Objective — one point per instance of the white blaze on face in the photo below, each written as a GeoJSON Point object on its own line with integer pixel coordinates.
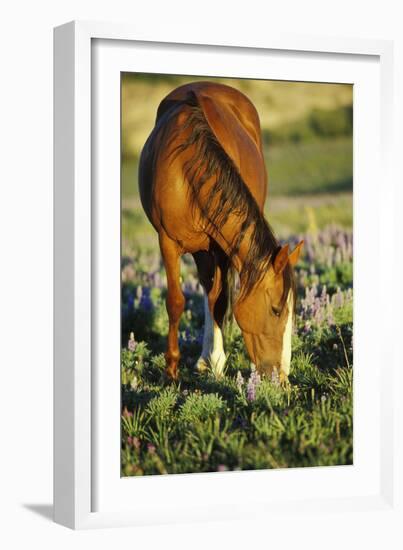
{"type": "Point", "coordinates": [286, 353]}
{"type": "Point", "coordinates": [213, 354]}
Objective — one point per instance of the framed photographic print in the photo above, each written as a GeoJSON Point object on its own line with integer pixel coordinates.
{"type": "Point", "coordinates": [219, 226]}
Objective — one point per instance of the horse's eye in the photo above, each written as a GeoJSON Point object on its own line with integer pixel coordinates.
{"type": "Point", "coordinates": [276, 311]}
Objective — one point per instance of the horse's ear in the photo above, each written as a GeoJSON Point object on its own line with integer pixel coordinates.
{"type": "Point", "coordinates": [280, 261]}
{"type": "Point", "coordinates": [282, 257]}
{"type": "Point", "coordinates": [295, 254]}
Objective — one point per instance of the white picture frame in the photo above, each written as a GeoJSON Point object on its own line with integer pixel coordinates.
{"type": "Point", "coordinates": [86, 494]}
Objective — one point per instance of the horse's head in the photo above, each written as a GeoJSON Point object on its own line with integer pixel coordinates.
{"type": "Point", "coordinates": [265, 315]}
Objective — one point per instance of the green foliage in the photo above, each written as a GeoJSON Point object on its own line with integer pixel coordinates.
{"type": "Point", "coordinates": [305, 425]}
{"type": "Point", "coordinates": [206, 424]}
{"type": "Point", "coordinates": [160, 408]}
{"type": "Point", "coordinates": [200, 408]}
{"type": "Point", "coordinates": [318, 124]}
{"type": "Point", "coordinates": [190, 428]}
{"type": "Point", "coordinates": [135, 424]}
{"type": "Point", "coordinates": [323, 166]}
{"type": "Point", "coordinates": [331, 123]}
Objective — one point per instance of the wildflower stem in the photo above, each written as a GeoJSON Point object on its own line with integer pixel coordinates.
{"type": "Point", "coordinates": [344, 347]}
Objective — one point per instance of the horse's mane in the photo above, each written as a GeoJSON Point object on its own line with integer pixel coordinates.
{"type": "Point", "coordinates": [228, 196]}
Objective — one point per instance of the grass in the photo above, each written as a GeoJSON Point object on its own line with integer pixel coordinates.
{"type": "Point", "coordinates": [307, 168]}
{"type": "Point", "coordinates": [204, 424]}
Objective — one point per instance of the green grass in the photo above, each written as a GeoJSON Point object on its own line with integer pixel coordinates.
{"type": "Point", "coordinates": [288, 215]}
{"type": "Point", "coordinates": [204, 424]}
{"type": "Point", "coordinates": [307, 168]}
{"type": "Point", "coordinates": [316, 125]}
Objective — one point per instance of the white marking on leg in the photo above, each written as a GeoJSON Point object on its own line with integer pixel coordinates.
{"type": "Point", "coordinates": [213, 354]}
{"type": "Point", "coordinates": [286, 353]}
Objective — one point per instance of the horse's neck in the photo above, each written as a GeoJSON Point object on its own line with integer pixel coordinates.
{"type": "Point", "coordinates": [226, 236]}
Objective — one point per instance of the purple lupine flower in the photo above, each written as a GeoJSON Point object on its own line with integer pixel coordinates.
{"type": "Point", "coordinates": [151, 448]}
{"type": "Point", "coordinates": [146, 303]}
{"type": "Point", "coordinates": [275, 377]}
{"type": "Point", "coordinates": [330, 247]}
{"type": "Point", "coordinates": [309, 247]}
{"type": "Point", "coordinates": [239, 381]}
{"type": "Point", "coordinates": [319, 315]}
{"type": "Point", "coordinates": [251, 391]}
{"type": "Point", "coordinates": [330, 317]}
{"type": "Point", "coordinates": [132, 342]}
{"type": "Point", "coordinates": [324, 297]}
{"type": "Point", "coordinates": [338, 298]}
{"type": "Point", "coordinates": [338, 256]}
{"type": "Point", "coordinates": [126, 413]}
{"type": "Point", "coordinates": [253, 382]}
{"type": "Point", "coordinates": [319, 306]}
{"type": "Point", "coordinates": [133, 442]}
{"type": "Point", "coordinates": [129, 300]}
{"type": "Point", "coordinates": [156, 279]}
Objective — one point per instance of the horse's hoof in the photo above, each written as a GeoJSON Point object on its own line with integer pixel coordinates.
{"type": "Point", "coordinates": [202, 364]}
{"type": "Point", "coordinates": [171, 377]}
{"type": "Point", "coordinates": [215, 364]}
{"type": "Point", "coordinates": [172, 373]}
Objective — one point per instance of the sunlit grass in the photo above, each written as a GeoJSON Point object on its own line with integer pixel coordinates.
{"type": "Point", "coordinates": [238, 422]}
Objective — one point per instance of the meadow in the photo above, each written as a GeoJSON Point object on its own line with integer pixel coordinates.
{"type": "Point", "coordinates": [240, 421]}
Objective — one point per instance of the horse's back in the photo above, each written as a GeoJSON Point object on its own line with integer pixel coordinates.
{"type": "Point", "coordinates": [235, 123]}
{"type": "Point", "coordinates": [227, 98]}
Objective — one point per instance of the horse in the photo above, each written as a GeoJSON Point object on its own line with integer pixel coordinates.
{"type": "Point", "coordinates": [203, 185]}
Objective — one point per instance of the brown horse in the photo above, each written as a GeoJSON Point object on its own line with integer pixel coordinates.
{"type": "Point", "coordinates": [203, 185]}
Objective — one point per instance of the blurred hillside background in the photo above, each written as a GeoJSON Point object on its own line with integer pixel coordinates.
{"type": "Point", "coordinates": [307, 131]}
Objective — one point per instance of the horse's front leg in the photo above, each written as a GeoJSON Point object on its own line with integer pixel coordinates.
{"type": "Point", "coordinates": [211, 277]}
{"type": "Point", "coordinates": [175, 302]}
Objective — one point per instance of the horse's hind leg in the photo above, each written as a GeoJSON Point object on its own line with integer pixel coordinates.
{"type": "Point", "coordinates": [175, 302]}
{"type": "Point", "coordinates": [211, 274]}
